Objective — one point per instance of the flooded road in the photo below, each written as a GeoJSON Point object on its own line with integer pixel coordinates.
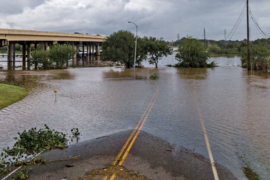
{"type": "Point", "coordinates": [99, 101]}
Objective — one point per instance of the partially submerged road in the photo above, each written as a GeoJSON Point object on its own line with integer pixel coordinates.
{"type": "Point", "coordinates": [142, 156]}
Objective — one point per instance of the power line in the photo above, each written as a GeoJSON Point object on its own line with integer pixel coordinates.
{"type": "Point", "coordinates": [236, 25]}
{"type": "Point", "coordinates": [257, 25]}
{"type": "Point", "coordinates": [257, 50]}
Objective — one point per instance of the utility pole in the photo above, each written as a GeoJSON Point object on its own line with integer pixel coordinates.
{"type": "Point", "coordinates": [248, 44]}
{"type": "Point", "coordinates": [178, 36]}
{"type": "Point", "coordinates": [225, 40]}
{"type": "Point", "coordinates": [204, 37]}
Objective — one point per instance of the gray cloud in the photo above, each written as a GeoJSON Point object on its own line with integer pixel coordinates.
{"type": "Point", "coordinates": [17, 6]}
{"type": "Point", "coordinates": [157, 18]}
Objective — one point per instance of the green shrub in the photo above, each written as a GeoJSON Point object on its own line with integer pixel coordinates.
{"type": "Point", "coordinates": [154, 76]}
{"type": "Point", "coordinates": [250, 173]}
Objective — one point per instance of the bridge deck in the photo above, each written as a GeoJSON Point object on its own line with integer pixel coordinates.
{"type": "Point", "coordinates": [30, 35]}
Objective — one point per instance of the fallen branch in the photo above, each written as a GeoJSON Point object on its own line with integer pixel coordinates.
{"type": "Point", "coordinates": [65, 159]}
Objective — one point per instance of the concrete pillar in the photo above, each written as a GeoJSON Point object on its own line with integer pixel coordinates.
{"type": "Point", "coordinates": [93, 49]}
{"type": "Point", "coordinates": [23, 57]}
{"type": "Point", "coordinates": [98, 50]}
{"type": "Point", "coordinates": [10, 56]}
{"type": "Point", "coordinates": [78, 50]}
{"type": "Point", "coordinates": [36, 64]}
{"type": "Point", "coordinates": [75, 55]}
{"type": "Point", "coordinates": [14, 55]}
{"type": "Point", "coordinates": [88, 50]}
{"type": "Point", "coordinates": [82, 51]}
{"type": "Point", "coordinates": [28, 55]}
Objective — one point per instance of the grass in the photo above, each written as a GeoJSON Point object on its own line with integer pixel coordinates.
{"type": "Point", "coordinates": [250, 173]}
{"type": "Point", "coordinates": [154, 76]}
{"type": "Point", "coordinates": [10, 94]}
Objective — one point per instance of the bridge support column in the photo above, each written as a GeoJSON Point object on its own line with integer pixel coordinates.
{"type": "Point", "coordinates": [75, 55]}
{"type": "Point", "coordinates": [28, 55]}
{"type": "Point", "coordinates": [93, 49]}
{"type": "Point", "coordinates": [10, 55]}
{"type": "Point", "coordinates": [36, 64]}
{"type": "Point", "coordinates": [23, 56]}
{"type": "Point", "coordinates": [88, 53]}
{"type": "Point", "coordinates": [88, 49]}
{"type": "Point", "coordinates": [98, 50]}
{"type": "Point", "coordinates": [78, 50]}
{"type": "Point", "coordinates": [82, 51]}
{"type": "Point", "coordinates": [13, 58]}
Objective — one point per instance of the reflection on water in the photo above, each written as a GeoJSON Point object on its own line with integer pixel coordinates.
{"type": "Point", "coordinates": [99, 101]}
{"type": "Point", "coordinates": [87, 61]}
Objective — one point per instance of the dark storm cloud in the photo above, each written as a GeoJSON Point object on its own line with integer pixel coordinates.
{"type": "Point", "coordinates": [17, 6]}
{"type": "Point", "coordinates": [159, 18]}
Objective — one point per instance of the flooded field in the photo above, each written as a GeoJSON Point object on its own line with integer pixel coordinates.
{"type": "Point", "coordinates": [233, 103]}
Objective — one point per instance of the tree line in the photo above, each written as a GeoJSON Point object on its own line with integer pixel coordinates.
{"type": "Point", "coordinates": [119, 47]}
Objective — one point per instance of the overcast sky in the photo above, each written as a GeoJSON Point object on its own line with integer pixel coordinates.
{"type": "Point", "coordinates": [159, 18]}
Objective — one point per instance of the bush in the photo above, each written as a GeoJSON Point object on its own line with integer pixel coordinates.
{"type": "Point", "coordinates": [41, 57]}
{"type": "Point", "coordinates": [55, 58]}
{"type": "Point", "coordinates": [154, 76]}
{"type": "Point", "coordinates": [192, 54]}
{"type": "Point", "coordinates": [60, 54]}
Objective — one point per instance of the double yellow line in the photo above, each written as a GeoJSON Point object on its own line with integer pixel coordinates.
{"type": "Point", "coordinates": [131, 139]}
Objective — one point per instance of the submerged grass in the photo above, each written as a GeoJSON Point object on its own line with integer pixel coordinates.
{"type": "Point", "coordinates": [154, 76]}
{"type": "Point", "coordinates": [10, 94]}
{"type": "Point", "coordinates": [250, 173]}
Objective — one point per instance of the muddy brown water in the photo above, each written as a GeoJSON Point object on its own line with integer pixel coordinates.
{"type": "Point", "coordinates": [105, 100]}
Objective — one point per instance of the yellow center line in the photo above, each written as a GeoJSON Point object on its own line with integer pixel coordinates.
{"type": "Point", "coordinates": [148, 110]}
{"type": "Point", "coordinates": [214, 169]}
{"type": "Point", "coordinates": [135, 137]}
{"type": "Point", "coordinates": [131, 135]}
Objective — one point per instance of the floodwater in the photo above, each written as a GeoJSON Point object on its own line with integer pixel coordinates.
{"type": "Point", "coordinates": [99, 101]}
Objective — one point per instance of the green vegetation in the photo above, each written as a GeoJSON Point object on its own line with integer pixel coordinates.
{"type": "Point", "coordinates": [228, 48]}
{"type": "Point", "coordinates": [154, 76]}
{"type": "Point", "coordinates": [259, 54]}
{"type": "Point", "coordinates": [10, 94]}
{"type": "Point", "coordinates": [60, 54]}
{"type": "Point", "coordinates": [250, 173]}
{"type": "Point", "coordinates": [120, 47]}
{"type": "Point", "coordinates": [31, 143]}
{"type": "Point", "coordinates": [192, 54]}
{"type": "Point", "coordinates": [55, 58]}
{"type": "Point", "coordinates": [156, 49]}
{"type": "Point", "coordinates": [21, 175]}
{"type": "Point", "coordinates": [75, 132]}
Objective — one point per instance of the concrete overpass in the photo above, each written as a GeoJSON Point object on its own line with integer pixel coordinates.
{"type": "Point", "coordinates": [10, 37]}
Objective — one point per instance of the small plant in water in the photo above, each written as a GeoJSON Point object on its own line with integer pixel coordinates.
{"type": "Point", "coordinates": [21, 175]}
{"type": "Point", "coordinates": [154, 76]}
{"type": "Point", "coordinates": [250, 173]}
{"type": "Point", "coordinates": [75, 132]}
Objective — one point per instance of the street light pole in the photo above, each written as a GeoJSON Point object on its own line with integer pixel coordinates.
{"type": "Point", "coordinates": [135, 46]}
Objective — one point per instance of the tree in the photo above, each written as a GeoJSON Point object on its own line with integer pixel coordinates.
{"type": "Point", "coordinates": [41, 57]}
{"type": "Point", "coordinates": [120, 47]}
{"type": "Point", "coordinates": [60, 54]}
{"type": "Point", "coordinates": [192, 54]}
{"type": "Point", "coordinates": [156, 49]}
{"type": "Point", "coordinates": [214, 48]}
{"type": "Point", "coordinates": [258, 53]}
